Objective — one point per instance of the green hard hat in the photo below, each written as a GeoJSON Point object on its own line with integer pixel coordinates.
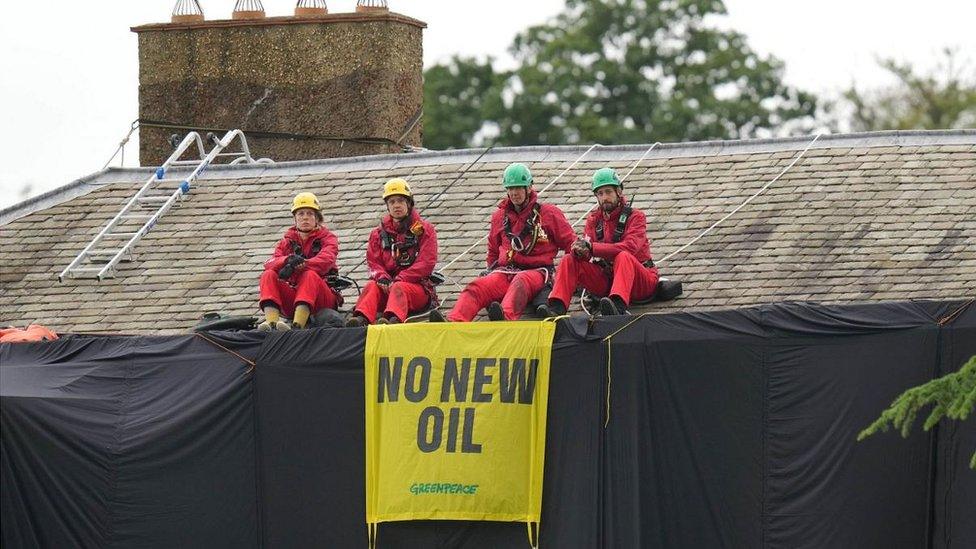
{"type": "Point", "coordinates": [604, 177]}
{"type": "Point", "coordinates": [517, 175]}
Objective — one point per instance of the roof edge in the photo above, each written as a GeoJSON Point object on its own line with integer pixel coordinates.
{"type": "Point", "coordinates": [536, 153]}
{"type": "Point", "coordinates": [78, 187]}
{"type": "Point", "coordinates": [569, 153]}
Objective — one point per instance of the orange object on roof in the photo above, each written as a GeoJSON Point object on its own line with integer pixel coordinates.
{"type": "Point", "coordinates": [34, 332]}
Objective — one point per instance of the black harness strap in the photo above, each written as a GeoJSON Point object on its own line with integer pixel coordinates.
{"type": "Point", "coordinates": [530, 229]}
{"type": "Point", "coordinates": [404, 252]}
{"type": "Point", "coordinates": [618, 231]}
{"type": "Point", "coordinates": [316, 248]}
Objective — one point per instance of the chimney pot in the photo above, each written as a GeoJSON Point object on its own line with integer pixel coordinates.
{"type": "Point", "coordinates": [187, 11]}
{"type": "Point", "coordinates": [372, 6]}
{"type": "Point", "coordinates": [248, 9]}
{"type": "Point", "coordinates": [311, 8]}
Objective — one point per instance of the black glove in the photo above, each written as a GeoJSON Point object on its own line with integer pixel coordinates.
{"type": "Point", "coordinates": [585, 244]}
{"type": "Point", "coordinates": [288, 269]}
{"type": "Point", "coordinates": [384, 282]}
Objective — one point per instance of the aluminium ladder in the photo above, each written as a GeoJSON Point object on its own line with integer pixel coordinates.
{"type": "Point", "coordinates": [115, 241]}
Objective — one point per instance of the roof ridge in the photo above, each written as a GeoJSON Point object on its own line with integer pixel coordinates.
{"type": "Point", "coordinates": [897, 138]}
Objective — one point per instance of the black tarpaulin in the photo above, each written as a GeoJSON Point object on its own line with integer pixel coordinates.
{"type": "Point", "coordinates": [725, 429]}
{"type": "Point", "coordinates": [127, 442]}
{"type": "Point", "coordinates": [953, 492]}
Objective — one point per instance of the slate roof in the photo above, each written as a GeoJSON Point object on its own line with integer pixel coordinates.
{"type": "Point", "coordinates": [861, 217]}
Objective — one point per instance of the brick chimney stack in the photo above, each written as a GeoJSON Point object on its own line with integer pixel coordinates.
{"type": "Point", "coordinates": [316, 85]}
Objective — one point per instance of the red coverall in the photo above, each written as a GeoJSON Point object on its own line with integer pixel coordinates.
{"type": "Point", "coordinates": [307, 284]}
{"type": "Point", "coordinates": [410, 288]}
{"type": "Point", "coordinates": [627, 278]}
{"type": "Point", "coordinates": [517, 277]}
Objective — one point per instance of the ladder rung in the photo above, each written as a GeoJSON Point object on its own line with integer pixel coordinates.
{"type": "Point", "coordinates": [135, 216]}
{"type": "Point", "coordinates": [231, 154]}
{"type": "Point", "coordinates": [159, 199]}
{"type": "Point", "coordinates": [105, 253]}
{"type": "Point", "coordinates": [85, 269]}
{"type": "Point", "coordinates": [119, 235]}
{"type": "Point", "coordinates": [185, 162]}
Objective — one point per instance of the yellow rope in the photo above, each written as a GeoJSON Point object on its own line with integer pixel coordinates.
{"type": "Point", "coordinates": [609, 378]}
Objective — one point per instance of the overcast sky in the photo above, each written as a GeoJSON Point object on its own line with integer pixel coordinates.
{"type": "Point", "coordinates": [69, 70]}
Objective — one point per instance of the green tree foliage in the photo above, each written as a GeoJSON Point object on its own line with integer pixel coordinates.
{"type": "Point", "coordinates": [953, 396]}
{"type": "Point", "coordinates": [457, 95]}
{"type": "Point", "coordinates": [942, 99]}
{"type": "Point", "coordinates": [615, 71]}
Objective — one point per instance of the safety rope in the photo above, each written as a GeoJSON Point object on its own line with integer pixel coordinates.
{"type": "Point", "coordinates": [533, 531]}
{"type": "Point", "coordinates": [622, 179]}
{"type": "Point", "coordinates": [125, 140]}
{"type": "Point", "coordinates": [551, 183]}
{"type": "Point", "coordinates": [740, 206]}
{"type": "Point", "coordinates": [952, 316]}
{"type": "Point", "coordinates": [411, 124]}
{"type": "Point", "coordinates": [432, 202]}
{"type": "Point", "coordinates": [225, 349]}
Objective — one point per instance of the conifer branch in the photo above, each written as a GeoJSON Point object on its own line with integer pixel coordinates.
{"type": "Point", "coordinates": [953, 396]}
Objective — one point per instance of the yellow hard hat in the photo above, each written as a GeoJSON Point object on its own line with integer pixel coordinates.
{"type": "Point", "coordinates": [305, 200]}
{"type": "Point", "coordinates": [397, 186]}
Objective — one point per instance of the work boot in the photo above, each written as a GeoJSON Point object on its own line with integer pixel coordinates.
{"type": "Point", "coordinates": [282, 325]}
{"type": "Point", "coordinates": [613, 306]}
{"type": "Point", "coordinates": [276, 326]}
{"type": "Point", "coordinates": [495, 311]}
{"type": "Point", "coordinates": [551, 309]}
{"type": "Point", "coordinates": [435, 315]}
{"type": "Point", "coordinates": [382, 320]}
{"type": "Point", "coordinates": [392, 319]}
{"type": "Point", "coordinates": [355, 321]}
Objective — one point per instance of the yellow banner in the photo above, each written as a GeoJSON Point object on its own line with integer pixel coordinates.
{"type": "Point", "coordinates": [456, 420]}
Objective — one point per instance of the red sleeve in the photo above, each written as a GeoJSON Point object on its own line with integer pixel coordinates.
{"type": "Point", "coordinates": [374, 257]}
{"type": "Point", "coordinates": [494, 238]}
{"type": "Point", "coordinates": [278, 257]}
{"type": "Point", "coordinates": [325, 260]}
{"type": "Point", "coordinates": [426, 258]}
{"type": "Point", "coordinates": [589, 228]}
{"type": "Point", "coordinates": [561, 233]}
{"type": "Point", "coordinates": [633, 241]}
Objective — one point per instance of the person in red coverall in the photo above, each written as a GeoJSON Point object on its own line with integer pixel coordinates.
{"type": "Point", "coordinates": [613, 260]}
{"type": "Point", "coordinates": [401, 255]}
{"type": "Point", "coordinates": [293, 283]}
{"type": "Point", "coordinates": [523, 241]}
